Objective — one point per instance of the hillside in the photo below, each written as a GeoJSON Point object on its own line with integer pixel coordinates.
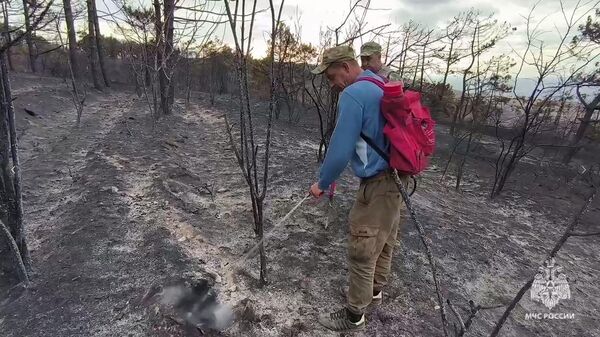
{"type": "Point", "coordinates": [117, 205]}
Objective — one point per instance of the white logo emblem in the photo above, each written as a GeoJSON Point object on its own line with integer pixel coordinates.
{"type": "Point", "coordinates": [550, 285]}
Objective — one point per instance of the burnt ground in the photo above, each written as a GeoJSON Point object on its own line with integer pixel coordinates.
{"type": "Point", "coordinates": [117, 205]}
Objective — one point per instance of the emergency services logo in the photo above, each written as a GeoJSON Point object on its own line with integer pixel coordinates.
{"type": "Point", "coordinates": [549, 287]}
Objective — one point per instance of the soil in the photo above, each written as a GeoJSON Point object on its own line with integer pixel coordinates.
{"type": "Point", "coordinates": [121, 203]}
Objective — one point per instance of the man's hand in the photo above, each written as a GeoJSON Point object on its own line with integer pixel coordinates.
{"type": "Point", "coordinates": [315, 191]}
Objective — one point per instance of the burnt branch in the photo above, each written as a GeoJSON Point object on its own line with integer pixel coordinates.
{"type": "Point", "coordinates": [584, 234]}
{"type": "Point", "coordinates": [425, 240]}
{"type": "Point", "coordinates": [458, 317]}
{"type": "Point", "coordinates": [14, 252]}
{"type": "Point", "coordinates": [35, 25]}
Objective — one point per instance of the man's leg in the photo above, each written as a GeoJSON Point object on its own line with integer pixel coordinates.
{"type": "Point", "coordinates": [373, 217]}
{"type": "Point", "coordinates": [384, 262]}
{"type": "Point", "coordinates": [344, 319]}
{"type": "Point", "coordinates": [361, 269]}
{"type": "Point", "coordinates": [373, 228]}
{"type": "Point", "coordinates": [403, 218]}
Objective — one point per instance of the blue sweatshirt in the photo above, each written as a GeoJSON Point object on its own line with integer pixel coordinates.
{"type": "Point", "coordinates": [359, 111]}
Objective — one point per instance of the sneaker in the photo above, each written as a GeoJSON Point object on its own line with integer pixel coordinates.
{"type": "Point", "coordinates": [339, 321]}
{"type": "Point", "coordinates": [377, 299]}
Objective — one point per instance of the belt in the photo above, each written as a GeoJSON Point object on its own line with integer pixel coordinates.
{"type": "Point", "coordinates": [388, 173]}
{"type": "Point", "coordinates": [381, 174]}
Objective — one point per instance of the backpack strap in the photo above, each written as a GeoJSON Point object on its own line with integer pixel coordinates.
{"type": "Point", "coordinates": [377, 82]}
{"type": "Point", "coordinates": [372, 144]}
{"type": "Point", "coordinates": [369, 141]}
{"type": "Point", "coordinates": [384, 155]}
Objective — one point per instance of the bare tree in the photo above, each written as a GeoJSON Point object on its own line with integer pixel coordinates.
{"type": "Point", "coordinates": [217, 58]}
{"type": "Point", "coordinates": [140, 30]}
{"type": "Point", "coordinates": [556, 68]}
{"type": "Point", "coordinates": [427, 51]}
{"type": "Point", "coordinates": [71, 36]}
{"type": "Point", "coordinates": [11, 209]}
{"type": "Point", "coordinates": [410, 38]}
{"type": "Point", "coordinates": [163, 24]}
{"type": "Point", "coordinates": [159, 38]}
{"type": "Point", "coordinates": [27, 14]}
{"type": "Point", "coordinates": [589, 32]}
{"type": "Point", "coordinates": [485, 101]}
{"type": "Point", "coordinates": [77, 98]}
{"type": "Point", "coordinates": [590, 108]}
{"type": "Point", "coordinates": [485, 32]}
{"type": "Point", "coordinates": [91, 11]}
{"type": "Point", "coordinates": [7, 34]}
{"type": "Point", "coordinates": [247, 153]}
{"type": "Point", "coordinates": [455, 32]}
{"type": "Point", "coordinates": [98, 38]}
{"type": "Point", "coordinates": [291, 57]}
{"type": "Point", "coordinates": [167, 69]}
{"type": "Point", "coordinates": [479, 80]}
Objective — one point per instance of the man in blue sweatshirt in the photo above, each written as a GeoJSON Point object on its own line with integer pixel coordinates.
{"type": "Point", "coordinates": [376, 213]}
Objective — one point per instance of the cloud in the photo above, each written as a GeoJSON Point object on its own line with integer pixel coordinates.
{"type": "Point", "coordinates": [432, 13]}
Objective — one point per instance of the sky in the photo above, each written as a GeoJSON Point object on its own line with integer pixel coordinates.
{"type": "Point", "coordinates": [318, 14]}
{"type": "Point", "coordinates": [314, 16]}
{"type": "Point", "coordinates": [311, 17]}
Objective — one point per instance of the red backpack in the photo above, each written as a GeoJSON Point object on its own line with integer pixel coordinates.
{"type": "Point", "coordinates": [409, 128]}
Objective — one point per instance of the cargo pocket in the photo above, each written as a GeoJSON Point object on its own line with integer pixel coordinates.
{"type": "Point", "coordinates": [362, 243]}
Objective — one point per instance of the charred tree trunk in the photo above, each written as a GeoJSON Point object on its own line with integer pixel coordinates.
{"type": "Point", "coordinates": [160, 57]}
{"type": "Point", "coordinates": [260, 236]}
{"type": "Point", "coordinates": [414, 80]}
{"type": "Point", "coordinates": [404, 55]}
{"type": "Point", "coordinates": [447, 71]}
{"type": "Point", "coordinates": [9, 114]}
{"type": "Point", "coordinates": [7, 34]}
{"type": "Point", "coordinates": [423, 66]}
{"type": "Point", "coordinates": [585, 122]}
{"type": "Point", "coordinates": [188, 83]}
{"type": "Point", "coordinates": [559, 112]}
{"type": "Point", "coordinates": [98, 39]}
{"type": "Point", "coordinates": [92, 42]}
{"type": "Point", "coordinates": [13, 250]}
{"type": "Point", "coordinates": [506, 163]}
{"type": "Point", "coordinates": [7, 195]}
{"type": "Point", "coordinates": [71, 37]}
{"type": "Point", "coordinates": [77, 99]}
{"type": "Point", "coordinates": [147, 62]}
{"type": "Point", "coordinates": [169, 8]}
{"type": "Point", "coordinates": [28, 39]}
{"type": "Point", "coordinates": [466, 72]}
{"type": "Point", "coordinates": [461, 166]}
{"type": "Point", "coordinates": [212, 85]}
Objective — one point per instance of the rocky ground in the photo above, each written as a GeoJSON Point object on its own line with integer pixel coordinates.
{"type": "Point", "coordinates": [121, 203]}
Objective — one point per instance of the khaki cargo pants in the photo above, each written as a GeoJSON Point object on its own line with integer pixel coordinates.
{"type": "Point", "coordinates": [375, 219]}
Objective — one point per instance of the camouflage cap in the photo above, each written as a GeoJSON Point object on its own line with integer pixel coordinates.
{"type": "Point", "coordinates": [370, 48]}
{"type": "Point", "coordinates": [335, 54]}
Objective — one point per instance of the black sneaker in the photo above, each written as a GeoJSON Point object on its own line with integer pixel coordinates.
{"type": "Point", "coordinates": [339, 321]}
